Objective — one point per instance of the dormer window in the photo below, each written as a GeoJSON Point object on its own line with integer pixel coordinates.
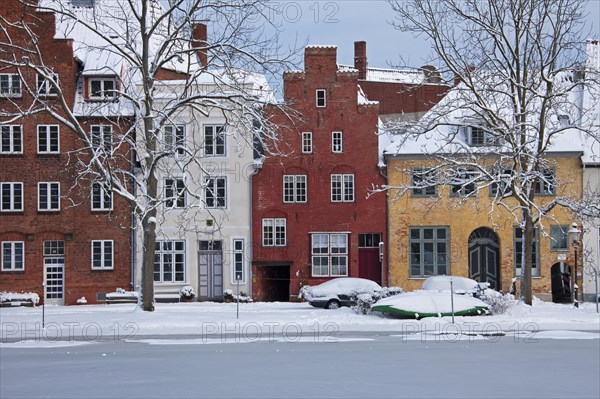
{"type": "Point", "coordinates": [564, 120]}
{"type": "Point", "coordinates": [103, 89]}
{"type": "Point", "coordinates": [45, 87]}
{"type": "Point", "coordinates": [477, 136]}
{"type": "Point", "coordinates": [321, 98]}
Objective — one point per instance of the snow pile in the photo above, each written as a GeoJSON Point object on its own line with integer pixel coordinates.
{"type": "Point", "coordinates": [82, 301]}
{"type": "Point", "coordinates": [460, 285]}
{"type": "Point", "coordinates": [120, 293]}
{"type": "Point", "coordinates": [424, 303]}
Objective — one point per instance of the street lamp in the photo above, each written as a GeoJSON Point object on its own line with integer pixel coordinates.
{"type": "Point", "coordinates": [574, 233]}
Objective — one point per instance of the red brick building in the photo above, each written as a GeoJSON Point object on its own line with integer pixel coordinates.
{"type": "Point", "coordinates": [312, 219]}
{"type": "Point", "coordinates": [56, 229]}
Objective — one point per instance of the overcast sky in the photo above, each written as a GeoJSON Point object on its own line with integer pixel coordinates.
{"type": "Point", "coordinates": [343, 22]}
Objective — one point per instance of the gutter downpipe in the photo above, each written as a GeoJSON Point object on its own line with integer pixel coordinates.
{"type": "Point", "coordinates": [385, 262]}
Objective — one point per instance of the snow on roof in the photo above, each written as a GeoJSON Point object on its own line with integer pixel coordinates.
{"type": "Point", "coordinates": [443, 128]}
{"type": "Point", "coordinates": [405, 76]}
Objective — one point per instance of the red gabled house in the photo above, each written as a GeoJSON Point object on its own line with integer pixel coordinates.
{"type": "Point", "coordinates": [312, 218]}
{"type": "Point", "coordinates": [62, 236]}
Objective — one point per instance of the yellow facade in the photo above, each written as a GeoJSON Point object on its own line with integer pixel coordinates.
{"type": "Point", "coordinates": [462, 216]}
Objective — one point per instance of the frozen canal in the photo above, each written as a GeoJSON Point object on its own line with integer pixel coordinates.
{"type": "Point", "coordinates": [361, 365]}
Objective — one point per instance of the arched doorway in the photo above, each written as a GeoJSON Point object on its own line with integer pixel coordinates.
{"type": "Point", "coordinates": [484, 257]}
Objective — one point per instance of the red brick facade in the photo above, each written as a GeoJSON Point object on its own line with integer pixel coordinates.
{"type": "Point", "coordinates": [280, 270]}
{"type": "Point", "coordinates": [74, 224]}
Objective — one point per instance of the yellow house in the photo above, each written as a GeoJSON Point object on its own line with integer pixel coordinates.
{"type": "Point", "coordinates": [439, 230]}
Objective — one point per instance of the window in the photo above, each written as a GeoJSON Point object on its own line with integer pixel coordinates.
{"type": "Point", "coordinates": [429, 251]}
{"type": "Point", "coordinates": [215, 193]}
{"type": "Point", "coordinates": [307, 143]}
{"type": "Point", "coordinates": [321, 98]}
{"type": "Point", "coordinates": [48, 196]}
{"type": "Point", "coordinates": [103, 89]}
{"type": "Point", "coordinates": [519, 238]}
{"type": "Point", "coordinates": [463, 182]}
{"type": "Point", "coordinates": [45, 87]}
{"type": "Point", "coordinates": [10, 85]}
{"type": "Point", "coordinates": [546, 183]}
{"type": "Point", "coordinates": [559, 238]}
{"type": "Point", "coordinates": [369, 240]}
{"type": "Point", "coordinates": [102, 254]}
{"type": "Point", "coordinates": [13, 255]}
{"type": "Point", "coordinates": [336, 142]}
{"type": "Point", "coordinates": [54, 248]}
{"type": "Point", "coordinates": [238, 260]}
{"type": "Point", "coordinates": [342, 188]}
{"type": "Point", "coordinates": [12, 197]}
{"type": "Point", "coordinates": [502, 184]}
{"type": "Point", "coordinates": [329, 254]}
{"type": "Point", "coordinates": [169, 261]}
{"type": "Point", "coordinates": [101, 137]}
{"type": "Point", "coordinates": [175, 193]}
{"type": "Point", "coordinates": [101, 197]}
{"type": "Point", "coordinates": [214, 140]}
{"type": "Point", "coordinates": [479, 137]}
{"type": "Point", "coordinates": [12, 139]}
{"type": "Point", "coordinates": [274, 232]}
{"type": "Point", "coordinates": [294, 188]}
{"type": "Point", "coordinates": [48, 139]}
{"type": "Point", "coordinates": [174, 139]}
{"type": "Point", "coordinates": [424, 183]}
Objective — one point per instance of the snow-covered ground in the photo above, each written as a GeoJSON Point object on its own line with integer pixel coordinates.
{"type": "Point", "coordinates": [266, 320]}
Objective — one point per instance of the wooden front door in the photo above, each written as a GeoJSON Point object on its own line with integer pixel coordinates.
{"type": "Point", "coordinates": [484, 257]}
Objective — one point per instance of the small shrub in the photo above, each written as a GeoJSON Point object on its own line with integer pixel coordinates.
{"type": "Point", "coordinates": [364, 300]}
{"type": "Point", "coordinates": [187, 292]}
{"type": "Point", "coordinates": [498, 303]}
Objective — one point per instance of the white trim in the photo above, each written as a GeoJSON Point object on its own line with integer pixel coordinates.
{"type": "Point", "coordinates": [309, 136]}
{"type": "Point", "coordinates": [11, 135]}
{"type": "Point", "coordinates": [103, 207]}
{"type": "Point", "coordinates": [12, 207]}
{"type": "Point", "coordinates": [324, 91]}
{"type": "Point", "coordinates": [102, 253]}
{"type": "Point", "coordinates": [333, 142]}
{"type": "Point", "coordinates": [49, 196]}
{"type": "Point", "coordinates": [233, 253]}
{"type": "Point", "coordinates": [12, 258]}
{"type": "Point", "coordinates": [48, 133]}
{"type": "Point", "coordinates": [103, 90]}
{"type": "Point", "coordinates": [11, 77]}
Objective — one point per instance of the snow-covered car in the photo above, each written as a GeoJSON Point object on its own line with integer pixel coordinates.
{"type": "Point", "coordinates": [460, 285]}
{"type": "Point", "coordinates": [338, 292]}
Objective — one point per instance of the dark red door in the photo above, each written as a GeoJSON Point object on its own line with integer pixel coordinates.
{"type": "Point", "coordinates": [368, 264]}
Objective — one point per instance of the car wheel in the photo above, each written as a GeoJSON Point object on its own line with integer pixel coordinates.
{"type": "Point", "coordinates": [333, 304]}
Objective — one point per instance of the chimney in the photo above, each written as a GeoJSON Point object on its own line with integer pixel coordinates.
{"type": "Point", "coordinates": [199, 38]}
{"type": "Point", "coordinates": [360, 59]}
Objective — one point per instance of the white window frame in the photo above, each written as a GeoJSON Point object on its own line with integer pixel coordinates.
{"type": "Point", "coordinates": [238, 260]}
{"type": "Point", "coordinates": [217, 133]}
{"type": "Point", "coordinates": [9, 260]}
{"type": "Point", "coordinates": [52, 196]}
{"type": "Point", "coordinates": [51, 133]}
{"type": "Point", "coordinates": [321, 98]}
{"type": "Point", "coordinates": [166, 251]}
{"type": "Point", "coordinates": [211, 192]}
{"type": "Point", "coordinates": [106, 197]}
{"type": "Point", "coordinates": [307, 143]}
{"type": "Point", "coordinates": [43, 86]}
{"type": "Point", "coordinates": [174, 139]}
{"type": "Point", "coordinates": [337, 143]}
{"type": "Point", "coordinates": [342, 188]}
{"type": "Point", "coordinates": [105, 94]}
{"type": "Point", "coordinates": [12, 134]}
{"type": "Point", "coordinates": [335, 249]}
{"type": "Point", "coordinates": [105, 257]}
{"type": "Point", "coordinates": [295, 189]}
{"type": "Point", "coordinates": [485, 138]}
{"type": "Point", "coordinates": [13, 205]}
{"type": "Point", "coordinates": [175, 193]}
{"type": "Point", "coordinates": [10, 91]}
{"type": "Point", "coordinates": [101, 137]}
{"type": "Point", "coordinates": [274, 232]}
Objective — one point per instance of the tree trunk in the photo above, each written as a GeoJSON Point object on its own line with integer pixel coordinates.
{"type": "Point", "coordinates": [149, 242]}
{"type": "Point", "coordinates": [527, 262]}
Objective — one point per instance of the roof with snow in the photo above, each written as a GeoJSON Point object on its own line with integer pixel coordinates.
{"type": "Point", "coordinates": [405, 76]}
{"type": "Point", "coordinates": [443, 129]}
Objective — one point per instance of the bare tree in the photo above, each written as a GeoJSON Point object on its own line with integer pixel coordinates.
{"type": "Point", "coordinates": [518, 67]}
{"type": "Point", "coordinates": [164, 67]}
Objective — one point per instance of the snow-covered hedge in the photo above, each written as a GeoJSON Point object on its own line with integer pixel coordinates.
{"type": "Point", "coordinates": [364, 301]}
{"type": "Point", "coordinates": [228, 295]}
{"type": "Point", "coordinates": [187, 292]}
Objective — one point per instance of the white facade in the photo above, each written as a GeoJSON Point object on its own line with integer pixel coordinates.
{"type": "Point", "coordinates": [591, 240]}
{"type": "Point", "coordinates": [204, 234]}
